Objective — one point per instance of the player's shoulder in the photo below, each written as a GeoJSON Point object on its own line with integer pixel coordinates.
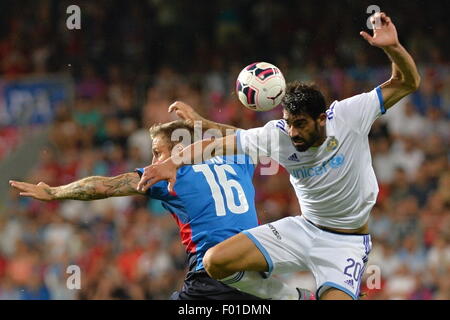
{"type": "Point", "coordinates": [330, 112]}
{"type": "Point", "coordinates": [279, 125]}
{"type": "Point", "coordinates": [360, 98]}
{"type": "Point", "coordinates": [356, 100]}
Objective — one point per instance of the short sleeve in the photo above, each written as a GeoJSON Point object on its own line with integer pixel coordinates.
{"type": "Point", "coordinates": [360, 111]}
{"type": "Point", "coordinates": [158, 190]}
{"type": "Point", "coordinates": [258, 142]}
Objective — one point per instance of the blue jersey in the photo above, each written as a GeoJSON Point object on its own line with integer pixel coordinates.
{"type": "Point", "coordinates": [214, 200]}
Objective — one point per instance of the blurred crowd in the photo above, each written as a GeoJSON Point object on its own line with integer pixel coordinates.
{"type": "Point", "coordinates": [130, 61]}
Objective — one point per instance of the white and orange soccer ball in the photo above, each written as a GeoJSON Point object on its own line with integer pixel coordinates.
{"type": "Point", "coordinates": [260, 86]}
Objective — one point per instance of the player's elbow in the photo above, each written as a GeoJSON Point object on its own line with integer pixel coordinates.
{"type": "Point", "coordinates": [413, 84]}
{"type": "Point", "coordinates": [417, 82]}
{"type": "Point", "coordinates": [406, 85]}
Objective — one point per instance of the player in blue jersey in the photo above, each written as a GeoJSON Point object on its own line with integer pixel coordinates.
{"type": "Point", "coordinates": [214, 200]}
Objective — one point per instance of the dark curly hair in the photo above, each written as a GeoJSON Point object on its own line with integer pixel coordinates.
{"type": "Point", "coordinates": [303, 98]}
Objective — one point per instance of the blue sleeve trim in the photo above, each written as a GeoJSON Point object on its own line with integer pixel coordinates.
{"type": "Point", "coordinates": [139, 171]}
{"type": "Point", "coordinates": [261, 248]}
{"type": "Point", "coordinates": [380, 99]}
{"type": "Point", "coordinates": [336, 286]}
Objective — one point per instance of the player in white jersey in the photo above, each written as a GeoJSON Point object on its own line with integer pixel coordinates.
{"type": "Point", "coordinates": [326, 152]}
{"type": "Point", "coordinates": [334, 180]}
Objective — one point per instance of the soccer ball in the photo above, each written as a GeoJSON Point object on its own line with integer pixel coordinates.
{"type": "Point", "coordinates": [260, 86]}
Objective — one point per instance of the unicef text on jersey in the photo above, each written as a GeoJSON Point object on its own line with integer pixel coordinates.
{"type": "Point", "coordinates": [307, 172]}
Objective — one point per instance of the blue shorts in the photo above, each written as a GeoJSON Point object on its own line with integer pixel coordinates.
{"type": "Point", "coordinates": [200, 286]}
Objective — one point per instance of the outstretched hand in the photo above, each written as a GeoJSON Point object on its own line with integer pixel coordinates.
{"type": "Point", "coordinates": [384, 31]}
{"type": "Point", "coordinates": [185, 112]}
{"type": "Point", "coordinates": [40, 191]}
{"type": "Point", "coordinates": [154, 173]}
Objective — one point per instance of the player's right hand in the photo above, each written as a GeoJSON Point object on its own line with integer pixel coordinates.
{"type": "Point", "coordinates": [166, 170]}
{"type": "Point", "coordinates": [185, 112]}
{"type": "Point", "coordinates": [40, 191]}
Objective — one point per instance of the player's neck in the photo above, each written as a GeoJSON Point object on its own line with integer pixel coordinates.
{"type": "Point", "coordinates": [323, 137]}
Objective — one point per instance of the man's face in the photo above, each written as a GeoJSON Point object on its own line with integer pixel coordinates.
{"type": "Point", "coordinates": [303, 130]}
{"type": "Point", "coordinates": [161, 149]}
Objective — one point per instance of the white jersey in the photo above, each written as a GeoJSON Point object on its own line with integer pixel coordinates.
{"type": "Point", "coordinates": [335, 182]}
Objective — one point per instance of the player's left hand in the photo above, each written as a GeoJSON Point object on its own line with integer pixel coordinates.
{"type": "Point", "coordinates": [384, 31]}
{"type": "Point", "coordinates": [185, 112]}
{"type": "Point", "coordinates": [166, 170]}
{"type": "Point", "coordinates": [40, 191]}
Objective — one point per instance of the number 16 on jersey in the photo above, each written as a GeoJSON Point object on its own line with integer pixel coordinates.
{"type": "Point", "coordinates": [227, 185]}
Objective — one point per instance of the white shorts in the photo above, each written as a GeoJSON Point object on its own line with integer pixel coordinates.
{"type": "Point", "coordinates": [336, 260]}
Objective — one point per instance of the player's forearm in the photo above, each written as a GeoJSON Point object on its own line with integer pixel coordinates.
{"type": "Point", "coordinates": [85, 189]}
{"type": "Point", "coordinates": [203, 150]}
{"type": "Point", "coordinates": [223, 128]}
{"type": "Point", "coordinates": [404, 68]}
{"type": "Point", "coordinates": [93, 188]}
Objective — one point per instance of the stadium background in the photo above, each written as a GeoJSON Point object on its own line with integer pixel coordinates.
{"type": "Point", "coordinates": [78, 103]}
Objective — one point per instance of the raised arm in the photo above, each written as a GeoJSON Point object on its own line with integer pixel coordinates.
{"type": "Point", "coordinates": [405, 78]}
{"type": "Point", "coordinates": [90, 188]}
{"type": "Point", "coordinates": [186, 112]}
